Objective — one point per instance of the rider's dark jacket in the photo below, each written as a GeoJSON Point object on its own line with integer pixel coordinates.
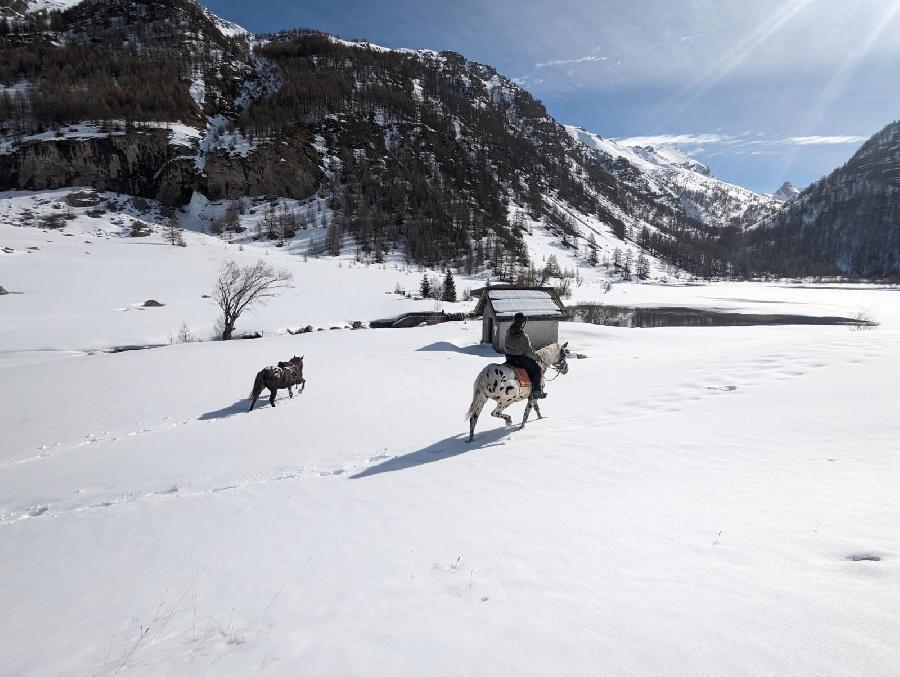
{"type": "Point", "coordinates": [518, 343]}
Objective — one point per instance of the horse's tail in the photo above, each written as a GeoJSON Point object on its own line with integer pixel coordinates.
{"type": "Point", "coordinates": [258, 384]}
{"type": "Point", "coordinates": [478, 398]}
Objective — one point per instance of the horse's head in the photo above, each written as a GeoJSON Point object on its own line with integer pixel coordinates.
{"type": "Point", "coordinates": [561, 364]}
{"type": "Point", "coordinates": [297, 362]}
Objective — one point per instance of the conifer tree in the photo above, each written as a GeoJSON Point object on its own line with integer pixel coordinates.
{"type": "Point", "coordinates": [593, 257]}
{"type": "Point", "coordinates": [617, 258]}
{"type": "Point", "coordinates": [425, 287]}
{"type": "Point", "coordinates": [552, 268]}
{"type": "Point", "coordinates": [642, 267]}
{"type": "Point", "coordinates": [449, 288]}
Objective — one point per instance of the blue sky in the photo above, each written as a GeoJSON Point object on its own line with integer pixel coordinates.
{"type": "Point", "coordinates": [761, 90]}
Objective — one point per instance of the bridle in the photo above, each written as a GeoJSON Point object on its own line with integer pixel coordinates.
{"type": "Point", "coordinates": [555, 376]}
{"type": "Point", "coordinates": [555, 368]}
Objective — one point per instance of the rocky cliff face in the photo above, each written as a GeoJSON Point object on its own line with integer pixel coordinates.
{"type": "Point", "coordinates": [137, 163]}
{"type": "Point", "coordinates": [146, 164]}
{"type": "Point", "coordinates": [166, 80]}
{"type": "Point", "coordinates": [287, 168]}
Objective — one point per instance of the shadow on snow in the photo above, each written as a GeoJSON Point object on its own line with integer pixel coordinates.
{"type": "Point", "coordinates": [439, 451]}
{"type": "Point", "coordinates": [224, 412]}
{"type": "Point", "coordinates": [480, 349]}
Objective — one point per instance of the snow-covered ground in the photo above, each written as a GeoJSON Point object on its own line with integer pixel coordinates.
{"type": "Point", "coordinates": [696, 501]}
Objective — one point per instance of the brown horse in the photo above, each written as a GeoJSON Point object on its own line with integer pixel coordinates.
{"type": "Point", "coordinates": [285, 375]}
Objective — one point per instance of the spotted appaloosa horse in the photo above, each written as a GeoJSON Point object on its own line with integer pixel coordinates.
{"type": "Point", "coordinates": [285, 375]}
{"type": "Point", "coordinates": [498, 382]}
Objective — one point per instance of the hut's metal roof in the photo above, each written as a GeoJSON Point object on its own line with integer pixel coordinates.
{"type": "Point", "coordinates": [532, 302]}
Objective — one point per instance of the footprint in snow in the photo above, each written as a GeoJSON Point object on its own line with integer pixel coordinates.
{"type": "Point", "coordinates": [37, 510]}
{"type": "Point", "coordinates": [864, 557]}
{"type": "Point", "coordinates": [725, 389]}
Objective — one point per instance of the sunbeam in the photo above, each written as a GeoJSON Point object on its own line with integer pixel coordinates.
{"type": "Point", "coordinates": [732, 59]}
{"type": "Point", "coordinates": [838, 82]}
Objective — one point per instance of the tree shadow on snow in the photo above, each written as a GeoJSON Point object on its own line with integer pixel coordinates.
{"type": "Point", "coordinates": [224, 412]}
{"type": "Point", "coordinates": [481, 349]}
{"type": "Point", "coordinates": [439, 451]}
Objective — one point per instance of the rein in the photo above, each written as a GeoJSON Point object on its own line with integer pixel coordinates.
{"type": "Point", "coordinates": [558, 372]}
{"type": "Point", "coordinates": [555, 368]}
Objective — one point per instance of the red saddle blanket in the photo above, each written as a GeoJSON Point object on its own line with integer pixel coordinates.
{"type": "Point", "coordinates": [522, 375]}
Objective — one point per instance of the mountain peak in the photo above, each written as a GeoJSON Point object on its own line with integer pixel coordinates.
{"type": "Point", "coordinates": [786, 193]}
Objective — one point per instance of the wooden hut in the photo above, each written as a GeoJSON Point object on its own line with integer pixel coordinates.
{"type": "Point", "coordinates": [498, 305]}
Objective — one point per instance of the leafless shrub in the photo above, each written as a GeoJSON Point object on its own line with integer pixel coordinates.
{"type": "Point", "coordinates": [239, 288]}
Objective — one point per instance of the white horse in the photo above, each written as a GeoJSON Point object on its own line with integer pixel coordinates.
{"type": "Point", "coordinates": [499, 382]}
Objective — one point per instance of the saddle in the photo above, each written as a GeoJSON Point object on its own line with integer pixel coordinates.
{"type": "Point", "coordinates": [522, 376]}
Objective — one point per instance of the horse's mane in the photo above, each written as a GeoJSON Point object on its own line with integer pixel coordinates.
{"type": "Point", "coordinates": [548, 354]}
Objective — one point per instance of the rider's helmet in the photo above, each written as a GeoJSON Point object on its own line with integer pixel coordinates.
{"type": "Point", "coordinates": [520, 318]}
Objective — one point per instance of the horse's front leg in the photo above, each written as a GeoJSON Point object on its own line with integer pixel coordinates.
{"type": "Point", "coordinates": [531, 403]}
{"type": "Point", "coordinates": [272, 396]}
{"type": "Point", "coordinates": [291, 391]}
{"type": "Point", "coordinates": [537, 407]}
{"type": "Point", "coordinates": [302, 385]}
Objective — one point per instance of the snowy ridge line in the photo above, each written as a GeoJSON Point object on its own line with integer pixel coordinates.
{"type": "Point", "coordinates": [180, 134]}
{"type": "Point", "coordinates": [365, 44]}
{"type": "Point", "coordinates": [50, 5]}
{"type": "Point", "coordinates": [670, 170]}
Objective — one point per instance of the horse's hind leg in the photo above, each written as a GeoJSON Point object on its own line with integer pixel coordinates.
{"type": "Point", "coordinates": [252, 403]}
{"type": "Point", "coordinates": [498, 411]}
{"type": "Point", "coordinates": [272, 396]}
{"type": "Point", "coordinates": [478, 400]}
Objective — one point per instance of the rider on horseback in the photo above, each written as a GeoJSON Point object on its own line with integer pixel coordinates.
{"type": "Point", "coordinates": [519, 353]}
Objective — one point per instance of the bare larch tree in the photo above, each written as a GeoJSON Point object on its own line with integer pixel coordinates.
{"type": "Point", "coordinates": [241, 287]}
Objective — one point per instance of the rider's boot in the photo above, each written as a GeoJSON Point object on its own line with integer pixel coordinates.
{"type": "Point", "coordinates": [538, 394]}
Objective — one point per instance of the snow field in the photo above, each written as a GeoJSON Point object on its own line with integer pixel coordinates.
{"type": "Point", "coordinates": [82, 288]}
{"type": "Point", "coordinates": [677, 511]}
{"type": "Point", "coordinates": [695, 501]}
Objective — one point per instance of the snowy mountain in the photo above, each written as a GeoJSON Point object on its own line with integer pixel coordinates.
{"type": "Point", "coordinates": [846, 223]}
{"type": "Point", "coordinates": [414, 151]}
{"type": "Point", "coordinates": [671, 170]}
{"type": "Point", "coordinates": [786, 193]}
{"type": "Point", "coordinates": [670, 156]}
{"type": "Point", "coordinates": [423, 152]}
{"type": "Point", "coordinates": [20, 8]}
